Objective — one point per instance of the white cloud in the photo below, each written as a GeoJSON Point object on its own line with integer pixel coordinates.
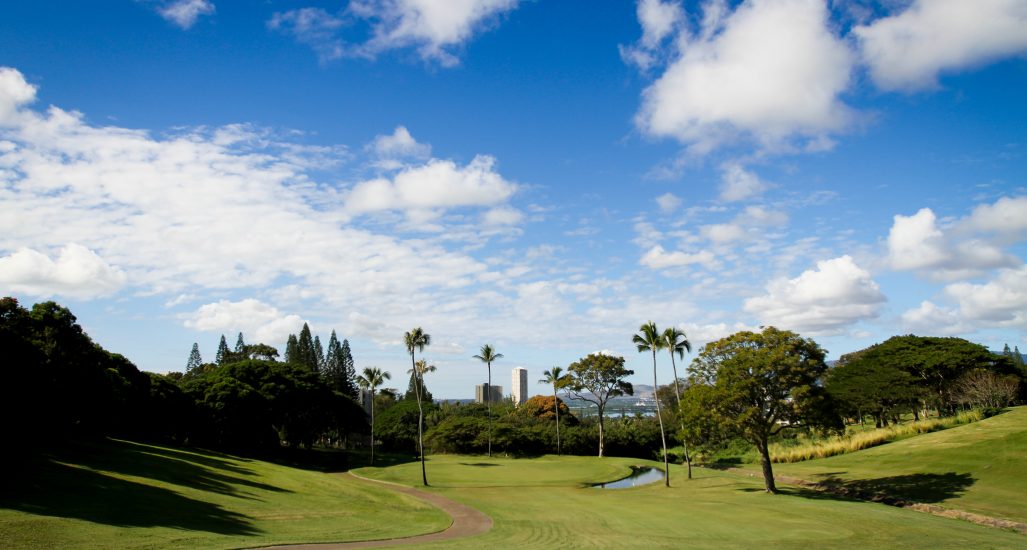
{"type": "Point", "coordinates": [15, 92]}
{"type": "Point", "coordinates": [749, 224]}
{"type": "Point", "coordinates": [313, 27]}
{"type": "Point", "coordinates": [928, 318]}
{"type": "Point", "coordinates": [77, 272]}
{"type": "Point", "coordinates": [826, 300]}
{"type": "Point", "coordinates": [668, 202]}
{"type": "Point", "coordinates": [738, 184]}
{"type": "Point", "coordinates": [432, 27]}
{"type": "Point", "coordinates": [1007, 218]}
{"type": "Point", "coordinates": [439, 184]}
{"type": "Point", "coordinates": [393, 149]}
{"type": "Point", "coordinates": [909, 50]}
{"type": "Point", "coordinates": [184, 13]}
{"type": "Point", "coordinates": [259, 322]}
{"type": "Point", "coordinates": [771, 71]}
{"type": "Point", "coordinates": [999, 302]}
{"type": "Point", "coordinates": [659, 20]}
{"type": "Point", "coordinates": [503, 215]}
{"type": "Point", "coordinates": [917, 243]}
{"type": "Point", "coordinates": [658, 258]}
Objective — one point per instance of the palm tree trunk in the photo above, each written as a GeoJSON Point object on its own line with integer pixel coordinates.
{"type": "Point", "coordinates": [420, 419]}
{"type": "Point", "coordinates": [488, 401]}
{"type": "Point", "coordinates": [556, 401]}
{"type": "Point", "coordinates": [663, 436]}
{"type": "Point", "coordinates": [372, 426]}
{"type": "Point", "coordinates": [677, 395]}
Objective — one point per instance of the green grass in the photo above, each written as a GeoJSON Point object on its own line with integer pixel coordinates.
{"type": "Point", "coordinates": [865, 439]}
{"type": "Point", "coordinates": [542, 503]}
{"type": "Point", "coordinates": [126, 495]}
{"type": "Point", "coordinates": [979, 467]}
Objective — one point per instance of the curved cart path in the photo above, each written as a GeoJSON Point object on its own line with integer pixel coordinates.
{"type": "Point", "coordinates": [467, 522]}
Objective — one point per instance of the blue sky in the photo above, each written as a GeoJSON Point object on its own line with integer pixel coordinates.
{"type": "Point", "coordinates": [542, 176]}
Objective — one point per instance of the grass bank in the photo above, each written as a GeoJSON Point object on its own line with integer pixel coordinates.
{"type": "Point", "coordinates": [808, 449]}
{"type": "Point", "coordinates": [979, 467]}
{"type": "Point", "coordinates": [124, 495]}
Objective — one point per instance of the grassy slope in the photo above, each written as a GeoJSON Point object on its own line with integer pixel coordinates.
{"type": "Point", "coordinates": [127, 495]}
{"type": "Point", "coordinates": [541, 503]}
{"type": "Point", "coordinates": [980, 467]}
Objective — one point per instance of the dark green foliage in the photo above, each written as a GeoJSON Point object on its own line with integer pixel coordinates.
{"type": "Point", "coordinates": [307, 356]}
{"type": "Point", "coordinates": [348, 367]}
{"type": "Point", "coordinates": [194, 358]}
{"type": "Point", "coordinates": [396, 427]}
{"type": "Point", "coordinates": [757, 384]}
{"type": "Point", "coordinates": [222, 351]}
{"type": "Point", "coordinates": [411, 393]}
{"type": "Point", "coordinates": [240, 345]}
{"type": "Point", "coordinates": [292, 350]}
{"type": "Point", "coordinates": [334, 371]}
{"type": "Point", "coordinates": [319, 355]}
{"type": "Point", "coordinates": [867, 385]}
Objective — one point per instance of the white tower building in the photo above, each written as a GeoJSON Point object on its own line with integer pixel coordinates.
{"type": "Point", "coordinates": [520, 385]}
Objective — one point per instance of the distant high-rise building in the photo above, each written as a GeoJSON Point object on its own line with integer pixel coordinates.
{"type": "Point", "coordinates": [520, 385]}
{"type": "Point", "coordinates": [481, 390]}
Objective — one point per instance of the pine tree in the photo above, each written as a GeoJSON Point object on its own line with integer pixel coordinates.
{"type": "Point", "coordinates": [1018, 359]}
{"type": "Point", "coordinates": [292, 350]}
{"type": "Point", "coordinates": [319, 355]}
{"type": "Point", "coordinates": [412, 392]}
{"type": "Point", "coordinates": [1008, 353]}
{"type": "Point", "coordinates": [349, 369]}
{"type": "Point", "coordinates": [306, 349]}
{"type": "Point", "coordinates": [194, 358]}
{"type": "Point", "coordinates": [240, 346]}
{"type": "Point", "coordinates": [222, 351]}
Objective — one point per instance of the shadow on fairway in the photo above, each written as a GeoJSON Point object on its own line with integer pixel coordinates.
{"type": "Point", "coordinates": [479, 464]}
{"type": "Point", "coordinates": [59, 490]}
{"type": "Point", "coordinates": [923, 488]}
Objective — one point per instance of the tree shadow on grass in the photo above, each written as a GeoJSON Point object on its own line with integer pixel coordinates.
{"type": "Point", "coordinates": [895, 490]}
{"type": "Point", "coordinates": [478, 464]}
{"type": "Point", "coordinates": [60, 490]}
{"type": "Point", "coordinates": [183, 468]}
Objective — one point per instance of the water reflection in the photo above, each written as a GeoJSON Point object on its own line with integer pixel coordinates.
{"type": "Point", "coordinates": [640, 475]}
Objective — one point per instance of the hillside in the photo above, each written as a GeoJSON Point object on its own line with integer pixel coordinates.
{"type": "Point", "coordinates": [977, 468]}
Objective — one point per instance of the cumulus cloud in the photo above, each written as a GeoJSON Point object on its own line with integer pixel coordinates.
{"type": "Point", "coordinates": [1004, 219]}
{"type": "Point", "coordinates": [668, 202]}
{"type": "Point", "coordinates": [658, 258]}
{"type": "Point", "coordinates": [1000, 302]}
{"type": "Point", "coordinates": [929, 318]}
{"type": "Point", "coordinates": [658, 20]}
{"type": "Point", "coordinates": [909, 50]}
{"type": "Point", "coordinates": [433, 28]}
{"type": "Point", "coordinates": [184, 13]}
{"type": "Point", "coordinates": [76, 272]}
{"type": "Point", "coordinates": [15, 92]}
{"type": "Point", "coordinates": [439, 184]}
{"type": "Point", "coordinates": [917, 243]}
{"type": "Point", "coordinates": [503, 215]}
{"type": "Point", "coordinates": [738, 184]}
{"type": "Point", "coordinates": [770, 70]}
{"type": "Point", "coordinates": [393, 149]}
{"type": "Point", "coordinates": [825, 300]}
{"type": "Point", "coordinates": [258, 321]}
{"type": "Point", "coordinates": [751, 223]}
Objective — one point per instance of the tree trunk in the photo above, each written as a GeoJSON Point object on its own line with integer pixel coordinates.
{"type": "Point", "coordinates": [677, 395]}
{"type": "Point", "coordinates": [372, 427]}
{"type": "Point", "coordinates": [488, 402]}
{"type": "Point", "coordinates": [768, 471]}
{"type": "Point", "coordinates": [418, 385]}
{"type": "Point", "coordinates": [663, 436]}
{"type": "Point", "coordinates": [556, 401]}
{"type": "Point", "coordinates": [600, 432]}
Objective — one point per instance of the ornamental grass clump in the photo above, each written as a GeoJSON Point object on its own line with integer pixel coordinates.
{"type": "Point", "coordinates": [836, 445]}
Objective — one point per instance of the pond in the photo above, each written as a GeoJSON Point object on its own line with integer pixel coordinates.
{"type": "Point", "coordinates": [640, 475]}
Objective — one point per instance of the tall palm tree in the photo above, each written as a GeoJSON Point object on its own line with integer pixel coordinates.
{"type": "Point", "coordinates": [650, 339]}
{"type": "Point", "coordinates": [557, 378]}
{"type": "Point", "coordinates": [416, 340]}
{"type": "Point", "coordinates": [487, 355]}
{"type": "Point", "coordinates": [371, 379]}
{"type": "Point", "coordinates": [677, 342]}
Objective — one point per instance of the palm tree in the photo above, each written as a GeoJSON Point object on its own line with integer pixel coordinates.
{"type": "Point", "coordinates": [417, 339]}
{"type": "Point", "coordinates": [371, 379]}
{"type": "Point", "coordinates": [487, 355]}
{"type": "Point", "coordinates": [651, 340]}
{"type": "Point", "coordinates": [557, 378]}
{"type": "Point", "coordinates": [677, 342]}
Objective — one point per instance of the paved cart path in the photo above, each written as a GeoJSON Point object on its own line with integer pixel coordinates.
{"type": "Point", "coordinates": [467, 522]}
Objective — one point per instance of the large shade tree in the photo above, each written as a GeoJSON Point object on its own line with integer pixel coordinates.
{"type": "Point", "coordinates": [597, 378]}
{"type": "Point", "coordinates": [676, 342]}
{"type": "Point", "coordinates": [370, 380]}
{"type": "Point", "coordinates": [487, 355]}
{"type": "Point", "coordinates": [558, 379]}
{"type": "Point", "coordinates": [755, 384]}
{"type": "Point", "coordinates": [650, 339]}
{"type": "Point", "coordinates": [416, 340]}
